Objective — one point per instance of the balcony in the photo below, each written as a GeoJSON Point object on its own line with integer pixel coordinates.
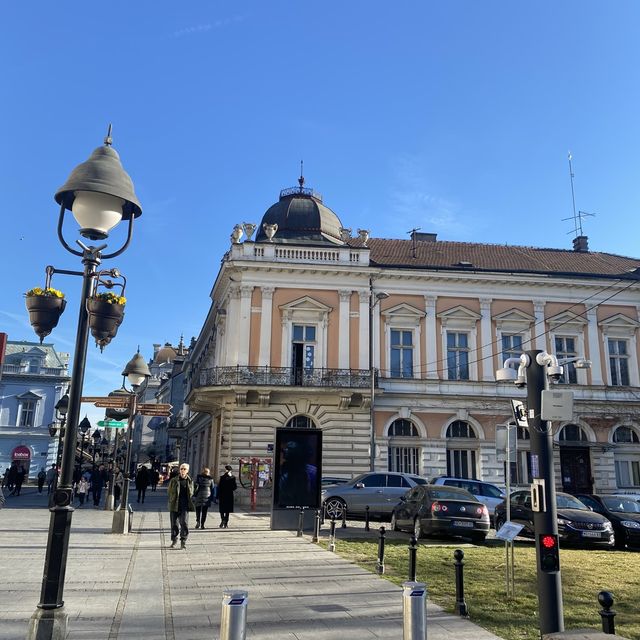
{"type": "Point", "coordinates": [284, 377]}
{"type": "Point", "coordinates": [27, 370]}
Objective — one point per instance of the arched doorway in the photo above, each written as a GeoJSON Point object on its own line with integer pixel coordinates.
{"type": "Point", "coordinates": [462, 450]}
{"type": "Point", "coordinates": [575, 460]}
{"type": "Point", "coordinates": [404, 449]}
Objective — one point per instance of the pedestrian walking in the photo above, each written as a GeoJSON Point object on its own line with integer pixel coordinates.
{"type": "Point", "coordinates": [42, 476]}
{"type": "Point", "coordinates": [12, 478]}
{"type": "Point", "coordinates": [118, 484]}
{"type": "Point", "coordinates": [203, 496]}
{"type": "Point", "coordinates": [82, 488]}
{"type": "Point", "coordinates": [180, 492]}
{"type": "Point", "coordinates": [154, 479]}
{"type": "Point", "coordinates": [142, 482]}
{"type": "Point", "coordinates": [51, 478]}
{"type": "Point", "coordinates": [99, 478]}
{"type": "Point", "coordinates": [226, 486]}
{"type": "Point", "coordinates": [20, 478]}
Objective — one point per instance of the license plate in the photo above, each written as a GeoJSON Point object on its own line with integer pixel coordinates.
{"type": "Point", "coordinates": [462, 523]}
{"type": "Point", "coordinates": [591, 534]}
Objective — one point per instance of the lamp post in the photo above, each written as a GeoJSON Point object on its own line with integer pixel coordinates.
{"type": "Point", "coordinates": [100, 194]}
{"type": "Point", "coordinates": [96, 436]}
{"type": "Point", "coordinates": [84, 427]}
{"type": "Point", "coordinates": [374, 299]}
{"type": "Point", "coordinates": [137, 372]}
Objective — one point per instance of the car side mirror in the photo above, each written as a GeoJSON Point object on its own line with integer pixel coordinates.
{"type": "Point", "coordinates": [359, 485]}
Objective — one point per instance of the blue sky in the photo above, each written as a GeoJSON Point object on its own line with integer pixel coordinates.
{"type": "Point", "coordinates": [455, 117]}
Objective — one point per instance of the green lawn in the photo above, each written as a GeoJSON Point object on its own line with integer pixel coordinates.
{"type": "Point", "coordinates": [584, 574]}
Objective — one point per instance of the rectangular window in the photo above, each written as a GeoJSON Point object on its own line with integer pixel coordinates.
{"type": "Point", "coordinates": [302, 352]}
{"type": "Point", "coordinates": [27, 413]}
{"type": "Point", "coordinates": [619, 363]}
{"type": "Point", "coordinates": [461, 463]}
{"type": "Point", "coordinates": [401, 353]}
{"type": "Point", "coordinates": [628, 473]}
{"type": "Point", "coordinates": [457, 356]}
{"type": "Point", "coordinates": [566, 348]}
{"type": "Point", "coordinates": [403, 459]}
{"type": "Point", "coordinates": [511, 346]}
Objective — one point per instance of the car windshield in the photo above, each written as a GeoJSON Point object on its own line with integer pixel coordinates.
{"type": "Point", "coordinates": [419, 480]}
{"type": "Point", "coordinates": [569, 502]}
{"type": "Point", "coordinates": [623, 505]}
{"type": "Point", "coordinates": [447, 494]}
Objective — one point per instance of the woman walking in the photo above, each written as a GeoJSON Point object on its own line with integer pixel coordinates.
{"type": "Point", "coordinates": [226, 486]}
{"type": "Point", "coordinates": [203, 496]}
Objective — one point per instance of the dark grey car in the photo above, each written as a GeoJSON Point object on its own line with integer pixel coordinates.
{"type": "Point", "coordinates": [379, 490]}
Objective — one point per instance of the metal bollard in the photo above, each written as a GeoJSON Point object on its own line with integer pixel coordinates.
{"type": "Point", "coordinates": [366, 518]}
{"type": "Point", "coordinates": [414, 611]}
{"type": "Point", "coordinates": [344, 517]}
{"type": "Point", "coordinates": [233, 623]}
{"type": "Point", "coordinates": [380, 562]}
{"type": "Point", "coordinates": [323, 514]}
{"type": "Point", "coordinates": [300, 523]}
{"type": "Point", "coordinates": [605, 598]}
{"type": "Point", "coordinates": [461, 605]}
{"type": "Point", "coordinates": [332, 535]}
{"type": "Point", "coordinates": [413, 553]}
{"type": "Point", "coordinates": [316, 528]}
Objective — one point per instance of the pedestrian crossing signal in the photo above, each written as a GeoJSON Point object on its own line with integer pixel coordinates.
{"type": "Point", "coordinates": [549, 552]}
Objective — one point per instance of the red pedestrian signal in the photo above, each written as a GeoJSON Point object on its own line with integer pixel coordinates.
{"type": "Point", "coordinates": [549, 551]}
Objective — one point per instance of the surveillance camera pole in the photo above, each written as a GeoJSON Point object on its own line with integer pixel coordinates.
{"type": "Point", "coordinates": [551, 617]}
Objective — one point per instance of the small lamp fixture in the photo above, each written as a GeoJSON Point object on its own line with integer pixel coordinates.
{"type": "Point", "coordinates": [53, 429]}
{"type": "Point", "coordinates": [96, 436]}
{"type": "Point", "coordinates": [62, 406]}
{"type": "Point", "coordinates": [136, 370]}
{"type": "Point", "coordinates": [84, 426]}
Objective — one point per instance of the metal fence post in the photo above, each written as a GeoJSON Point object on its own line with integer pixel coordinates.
{"type": "Point", "coordinates": [366, 518]}
{"type": "Point", "coordinates": [344, 517]}
{"type": "Point", "coordinates": [300, 522]}
{"type": "Point", "coordinates": [332, 535]}
{"type": "Point", "coordinates": [380, 563]}
{"type": "Point", "coordinates": [605, 598]}
{"type": "Point", "coordinates": [413, 553]}
{"type": "Point", "coordinates": [461, 605]}
{"type": "Point", "coordinates": [414, 611]}
{"type": "Point", "coordinates": [316, 528]}
{"type": "Point", "coordinates": [233, 622]}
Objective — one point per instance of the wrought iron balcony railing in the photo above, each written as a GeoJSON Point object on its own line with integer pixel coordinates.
{"type": "Point", "coordinates": [284, 377]}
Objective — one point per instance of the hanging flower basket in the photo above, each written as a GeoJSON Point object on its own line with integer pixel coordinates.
{"type": "Point", "coordinates": [45, 307]}
{"type": "Point", "coordinates": [106, 312]}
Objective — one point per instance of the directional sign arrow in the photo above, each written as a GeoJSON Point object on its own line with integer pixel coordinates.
{"type": "Point", "coordinates": [150, 406]}
{"type": "Point", "coordinates": [110, 402]}
{"type": "Point", "coordinates": [112, 424]}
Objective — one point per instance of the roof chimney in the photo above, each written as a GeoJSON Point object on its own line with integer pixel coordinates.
{"type": "Point", "coordinates": [581, 243]}
{"type": "Point", "coordinates": [424, 237]}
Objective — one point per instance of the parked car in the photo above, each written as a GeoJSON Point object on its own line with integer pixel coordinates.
{"type": "Point", "coordinates": [441, 510]}
{"type": "Point", "coordinates": [576, 522]}
{"type": "Point", "coordinates": [327, 480]}
{"type": "Point", "coordinates": [489, 494]}
{"type": "Point", "coordinates": [379, 490]}
{"type": "Point", "coordinates": [622, 511]}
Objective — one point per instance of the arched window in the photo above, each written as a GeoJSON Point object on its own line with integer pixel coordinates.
{"type": "Point", "coordinates": [404, 455]}
{"type": "Point", "coordinates": [301, 422]}
{"type": "Point", "coordinates": [461, 455]}
{"type": "Point", "coordinates": [626, 435]}
{"type": "Point", "coordinates": [572, 433]}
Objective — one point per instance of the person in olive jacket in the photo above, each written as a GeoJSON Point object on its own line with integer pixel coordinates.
{"type": "Point", "coordinates": [226, 486]}
{"type": "Point", "coordinates": [180, 492]}
{"type": "Point", "coordinates": [203, 496]}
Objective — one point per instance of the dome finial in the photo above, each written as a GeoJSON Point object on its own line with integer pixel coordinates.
{"type": "Point", "coordinates": [108, 141]}
{"type": "Point", "coordinates": [301, 178]}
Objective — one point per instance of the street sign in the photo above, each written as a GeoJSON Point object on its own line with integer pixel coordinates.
{"type": "Point", "coordinates": [111, 402]}
{"type": "Point", "coordinates": [112, 424]}
{"type": "Point", "coordinates": [151, 409]}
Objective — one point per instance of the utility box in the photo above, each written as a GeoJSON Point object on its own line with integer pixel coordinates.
{"type": "Point", "coordinates": [557, 405]}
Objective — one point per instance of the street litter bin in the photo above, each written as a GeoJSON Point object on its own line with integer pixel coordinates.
{"type": "Point", "coordinates": [233, 622]}
{"type": "Point", "coordinates": [414, 610]}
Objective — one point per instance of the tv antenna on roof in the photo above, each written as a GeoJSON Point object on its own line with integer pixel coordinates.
{"type": "Point", "coordinates": [577, 216]}
{"type": "Point", "coordinates": [412, 233]}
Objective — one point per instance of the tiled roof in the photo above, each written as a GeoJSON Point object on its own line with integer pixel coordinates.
{"type": "Point", "coordinates": [471, 256]}
{"type": "Point", "coordinates": [52, 358]}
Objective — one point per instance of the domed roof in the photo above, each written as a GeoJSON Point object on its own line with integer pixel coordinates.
{"type": "Point", "coordinates": [301, 218]}
{"type": "Point", "coordinates": [165, 354]}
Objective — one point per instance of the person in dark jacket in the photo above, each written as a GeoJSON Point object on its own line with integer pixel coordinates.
{"type": "Point", "coordinates": [203, 496]}
{"type": "Point", "coordinates": [42, 476]}
{"type": "Point", "coordinates": [99, 478]}
{"type": "Point", "coordinates": [180, 492]}
{"type": "Point", "coordinates": [142, 482]}
{"type": "Point", "coordinates": [226, 486]}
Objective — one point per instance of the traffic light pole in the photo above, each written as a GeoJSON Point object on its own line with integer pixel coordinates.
{"type": "Point", "coordinates": [551, 618]}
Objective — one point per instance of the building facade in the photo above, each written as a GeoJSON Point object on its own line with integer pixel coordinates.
{"type": "Point", "coordinates": [34, 377]}
{"type": "Point", "coordinates": [391, 347]}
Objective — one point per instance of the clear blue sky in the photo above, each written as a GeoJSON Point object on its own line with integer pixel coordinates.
{"type": "Point", "coordinates": [455, 117]}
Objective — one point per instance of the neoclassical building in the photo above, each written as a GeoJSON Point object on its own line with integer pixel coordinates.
{"type": "Point", "coordinates": [390, 347]}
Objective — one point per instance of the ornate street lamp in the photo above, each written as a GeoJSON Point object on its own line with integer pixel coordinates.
{"type": "Point", "coordinates": [137, 372]}
{"type": "Point", "coordinates": [100, 194]}
{"type": "Point", "coordinates": [84, 427]}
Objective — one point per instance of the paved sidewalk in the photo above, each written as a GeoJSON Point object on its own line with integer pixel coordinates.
{"type": "Point", "coordinates": [134, 586]}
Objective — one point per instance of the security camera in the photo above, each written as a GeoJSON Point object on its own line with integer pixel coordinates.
{"type": "Point", "coordinates": [554, 372]}
{"type": "Point", "coordinates": [521, 381]}
{"type": "Point", "coordinates": [506, 374]}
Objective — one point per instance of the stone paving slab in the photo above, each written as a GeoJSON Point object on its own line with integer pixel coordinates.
{"type": "Point", "coordinates": [134, 586]}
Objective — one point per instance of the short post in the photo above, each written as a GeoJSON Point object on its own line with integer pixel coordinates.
{"type": "Point", "coordinates": [414, 611]}
{"type": "Point", "coordinates": [413, 554]}
{"type": "Point", "coordinates": [461, 605]}
{"type": "Point", "coordinates": [344, 517]}
{"type": "Point", "coordinates": [380, 563]}
{"type": "Point", "coordinates": [233, 622]}
{"type": "Point", "coordinates": [300, 522]}
{"type": "Point", "coordinates": [605, 598]}
{"type": "Point", "coordinates": [323, 514]}
{"type": "Point", "coordinates": [332, 535]}
{"type": "Point", "coordinates": [366, 518]}
{"type": "Point", "coordinates": [316, 528]}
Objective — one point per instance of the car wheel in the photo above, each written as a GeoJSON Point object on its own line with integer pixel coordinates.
{"type": "Point", "coordinates": [499, 522]}
{"type": "Point", "coordinates": [417, 529]}
{"type": "Point", "coordinates": [394, 522]}
{"type": "Point", "coordinates": [335, 507]}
